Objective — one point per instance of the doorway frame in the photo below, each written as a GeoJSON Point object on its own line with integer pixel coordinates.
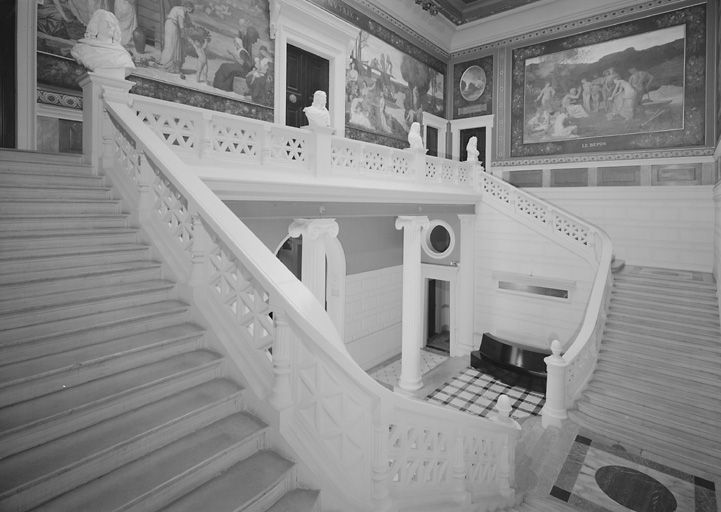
{"type": "Point", "coordinates": [333, 44]}
{"type": "Point", "coordinates": [26, 75]}
{"type": "Point", "coordinates": [472, 122]}
{"type": "Point", "coordinates": [442, 273]}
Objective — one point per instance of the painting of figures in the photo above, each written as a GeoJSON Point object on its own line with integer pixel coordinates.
{"type": "Point", "coordinates": [387, 90]}
{"type": "Point", "coordinates": [634, 85]}
{"type": "Point", "coordinates": [629, 85]}
{"type": "Point", "coordinates": [214, 46]}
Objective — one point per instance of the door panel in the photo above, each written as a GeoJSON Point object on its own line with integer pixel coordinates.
{"type": "Point", "coordinates": [305, 74]}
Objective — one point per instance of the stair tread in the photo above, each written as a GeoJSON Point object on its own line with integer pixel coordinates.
{"type": "Point", "coordinates": [628, 327]}
{"type": "Point", "coordinates": [618, 352]}
{"type": "Point", "coordinates": [73, 298]}
{"type": "Point", "coordinates": [223, 494]}
{"type": "Point", "coordinates": [653, 297]}
{"type": "Point", "coordinates": [642, 321]}
{"type": "Point", "coordinates": [45, 459]}
{"type": "Point", "coordinates": [621, 376]}
{"type": "Point", "coordinates": [74, 359]}
{"type": "Point", "coordinates": [68, 399]}
{"type": "Point", "coordinates": [90, 323]}
{"type": "Point", "coordinates": [297, 500]}
{"type": "Point", "coordinates": [143, 475]}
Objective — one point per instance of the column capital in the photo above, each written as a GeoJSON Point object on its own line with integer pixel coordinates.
{"type": "Point", "coordinates": [416, 222]}
{"type": "Point", "coordinates": [313, 229]}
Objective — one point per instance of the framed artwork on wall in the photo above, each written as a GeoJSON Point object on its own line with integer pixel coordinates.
{"type": "Point", "coordinates": [211, 47]}
{"type": "Point", "coordinates": [635, 85]}
{"type": "Point", "coordinates": [473, 88]}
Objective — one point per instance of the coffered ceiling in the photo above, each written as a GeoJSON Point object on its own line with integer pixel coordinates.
{"type": "Point", "coordinates": [465, 11]}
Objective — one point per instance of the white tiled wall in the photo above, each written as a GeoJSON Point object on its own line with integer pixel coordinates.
{"type": "Point", "coordinates": [373, 315]}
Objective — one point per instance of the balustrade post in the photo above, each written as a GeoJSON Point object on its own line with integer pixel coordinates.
{"type": "Point", "coordinates": [554, 410]}
{"type": "Point", "coordinates": [458, 472]}
{"type": "Point", "coordinates": [417, 162]}
{"type": "Point", "coordinates": [146, 195]}
{"type": "Point", "coordinates": [381, 493]}
{"type": "Point", "coordinates": [205, 137]}
{"type": "Point", "coordinates": [506, 475]}
{"type": "Point", "coordinates": [201, 246]}
{"type": "Point", "coordinates": [281, 396]}
{"type": "Point", "coordinates": [322, 147]}
{"type": "Point", "coordinates": [412, 304]}
{"type": "Point", "coordinates": [97, 87]}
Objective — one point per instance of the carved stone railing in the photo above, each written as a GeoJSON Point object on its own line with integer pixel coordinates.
{"type": "Point", "coordinates": [376, 449]}
{"type": "Point", "coordinates": [211, 138]}
{"type": "Point", "coordinates": [568, 373]}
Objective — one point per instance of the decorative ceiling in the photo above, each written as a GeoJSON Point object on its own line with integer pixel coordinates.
{"type": "Point", "coordinates": [465, 11]}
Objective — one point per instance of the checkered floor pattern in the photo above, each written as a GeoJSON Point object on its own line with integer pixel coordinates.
{"type": "Point", "coordinates": [476, 392]}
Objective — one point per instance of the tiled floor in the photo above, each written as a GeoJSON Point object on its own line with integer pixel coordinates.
{"type": "Point", "coordinates": [476, 392]}
{"type": "Point", "coordinates": [601, 476]}
{"type": "Point", "coordinates": [389, 373]}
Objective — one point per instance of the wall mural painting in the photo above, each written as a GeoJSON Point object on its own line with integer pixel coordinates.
{"type": "Point", "coordinates": [219, 47]}
{"type": "Point", "coordinates": [387, 90]}
{"type": "Point", "coordinates": [718, 74]}
{"type": "Point", "coordinates": [635, 85]}
{"type": "Point", "coordinates": [473, 94]}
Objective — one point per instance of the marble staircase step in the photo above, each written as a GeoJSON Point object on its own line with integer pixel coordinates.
{"type": "Point", "coordinates": [628, 326]}
{"type": "Point", "coordinates": [165, 474]}
{"type": "Point", "coordinates": [59, 191]}
{"type": "Point", "coordinates": [690, 292]}
{"type": "Point", "coordinates": [688, 312]}
{"type": "Point", "coordinates": [43, 178]}
{"type": "Point", "coordinates": [26, 223]}
{"type": "Point", "coordinates": [33, 207]}
{"type": "Point", "coordinates": [667, 324]}
{"type": "Point", "coordinates": [619, 352]}
{"type": "Point", "coordinates": [662, 341]}
{"type": "Point", "coordinates": [670, 282]}
{"type": "Point", "coordinates": [28, 341]}
{"type": "Point", "coordinates": [706, 301]}
{"type": "Point", "coordinates": [36, 377]}
{"type": "Point", "coordinates": [50, 469]}
{"type": "Point", "coordinates": [297, 500]}
{"type": "Point", "coordinates": [48, 242]}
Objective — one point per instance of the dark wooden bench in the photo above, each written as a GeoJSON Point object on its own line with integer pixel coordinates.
{"type": "Point", "coordinates": [509, 355]}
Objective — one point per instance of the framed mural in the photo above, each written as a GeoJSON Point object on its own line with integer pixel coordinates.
{"type": "Point", "coordinates": [216, 47]}
{"type": "Point", "coordinates": [387, 90]}
{"type": "Point", "coordinates": [636, 85]}
{"type": "Point", "coordinates": [473, 88]}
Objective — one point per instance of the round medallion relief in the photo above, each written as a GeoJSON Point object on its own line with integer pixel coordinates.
{"type": "Point", "coordinates": [635, 490]}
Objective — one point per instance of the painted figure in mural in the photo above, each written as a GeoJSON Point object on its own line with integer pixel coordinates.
{"type": "Point", "coordinates": [101, 48]}
{"type": "Point", "coordinates": [226, 73]}
{"type": "Point", "coordinates": [561, 128]}
{"type": "Point", "coordinates": [201, 73]}
{"type": "Point", "coordinates": [586, 94]}
{"type": "Point", "coordinates": [171, 58]}
{"type": "Point", "coordinates": [83, 10]}
{"type": "Point", "coordinates": [609, 77]}
{"type": "Point", "coordinates": [596, 93]}
{"type": "Point", "coordinates": [414, 137]}
{"type": "Point", "coordinates": [260, 78]}
{"type": "Point", "coordinates": [623, 98]}
{"type": "Point", "coordinates": [546, 97]}
{"type": "Point", "coordinates": [317, 113]}
{"type": "Point", "coordinates": [472, 149]}
{"type": "Point", "coordinates": [641, 81]}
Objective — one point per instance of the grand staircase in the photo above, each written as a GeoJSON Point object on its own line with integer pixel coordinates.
{"type": "Point", "coordinates": [657, 386]}
{"type": "Point", "coordinates": [111, 397]}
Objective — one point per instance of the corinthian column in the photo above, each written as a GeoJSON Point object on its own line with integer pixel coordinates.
{"type": "Point", "coordinates": [315, 233]}
{"type": "Point", "coordinates": [412, 332]}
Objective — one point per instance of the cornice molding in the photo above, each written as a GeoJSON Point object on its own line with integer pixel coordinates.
{"type": "Point", "coordinates": [604, 157]}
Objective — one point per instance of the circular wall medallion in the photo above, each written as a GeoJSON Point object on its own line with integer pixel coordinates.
{"type": "Point", "coordinates": [439, 239]}
{"type": "Point", "coordinates": [635, 490]}
{"type": "Point", "coordinates": [473, 83]}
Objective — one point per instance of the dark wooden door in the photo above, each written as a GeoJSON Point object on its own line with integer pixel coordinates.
{"type": "Point", "coordinates": [432, 141]}
{"type": "Point", "coordinates": [8, 84]}
{"type": "Point", "coordinates": [306, 73]}
{"type": "Point", "coordinates": [480, 133]}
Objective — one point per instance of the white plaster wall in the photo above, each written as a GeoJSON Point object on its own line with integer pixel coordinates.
{"type": "Point", "coordinates": [669, 227]}
{"type": "Point", "coordinates": [505, 246]}
{"type": "Point", "coordinates": [373, 315]}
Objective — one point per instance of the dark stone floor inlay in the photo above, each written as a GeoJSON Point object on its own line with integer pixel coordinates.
{"type": "Point", "coordinates": [635, 490]}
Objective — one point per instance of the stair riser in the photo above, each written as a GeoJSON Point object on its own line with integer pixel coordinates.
{"type": "Point", "coordinates": [689, 326]}
{"type": "Point", "coordinates": [15, 320]}
{"type": "Point", "coordinates": [688, 313]}
{"type": "Point", "coordinates": [15, 193]}
{"type": "Point", "coordinates": [87, 371]}
{"type": "Point", "coordinates": [11, 179]}
{"type": "Point", "coordinates": [38, 339]}
{"type": "Point", "coordinates": [61, 481]}
{"type": "Point", "coordinates": [33, 246]}
{"type": "Point", "coordinates": [20, 208]}
{"type": "Point", "coordinates": [618, 333]}
{"type": "Point", "coordinates": [619, 352]}
{"type": "Point", "coordinates": [25, 224]}
{"type": "Point", "coordinates": [12, 271]}
{"type": "Point", "coordinates": [662, 301]}
{"type": "Point", "coordinates": [666, 285]}
{"type": "Point", "coordinates": [699, 336]}
{"type": "Point", "coordinates": [622, 289]}
{"type": "Point", "coordinates": [674, 415]}
{"type": "Point", "coordinates": [618, 377]}
{"type": "Point", "coordinates": [32, 293]}
{"type": "Point", "coordinates": [71, 270]}
{"type": "Point", "coordinates": [164, 495]}
{"type": "Point", "coordinates": [40, 432]}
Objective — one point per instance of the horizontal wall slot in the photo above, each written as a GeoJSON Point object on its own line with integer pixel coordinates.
{"type": "Point", "coordinates": [533, 290]}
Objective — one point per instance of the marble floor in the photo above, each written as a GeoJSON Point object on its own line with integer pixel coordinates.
{"type": "Point", "coordinates": [387, 373]}
{"type": "Point", "coordinates": [602, 476]}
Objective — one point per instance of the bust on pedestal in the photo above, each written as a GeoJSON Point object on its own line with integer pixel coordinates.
{"type": "Point", "coordinates": [317, 113]}
{"type": "Point", "coordinates": [472, 149]}
{"type": "Point", "coordinates": [100, 50]}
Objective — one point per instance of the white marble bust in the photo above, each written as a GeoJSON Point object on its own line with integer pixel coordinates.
{"type": "Point", "coordinates": [101, 48]}
{"type": "Point", "coordinates": [472, 149]}
{"type": "Point", "coordinates": [317, 113]}
{"type": "Point", "coordinates": [414, 137]}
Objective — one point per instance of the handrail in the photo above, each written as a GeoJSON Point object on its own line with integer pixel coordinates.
{"type": "Point", "coordinates": [567, 374]}
{"type": "Point", "coordinates": [397, 449]}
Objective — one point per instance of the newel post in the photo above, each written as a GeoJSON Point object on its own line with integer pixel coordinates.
{"type": "Point", "coordinates": [554, 410]}
{"type": "Point", "coordinates": [281, 396]}
{"type": "Point", "coordinates": [201, 246]}
{"type": "Point", "coordinates": [381, 493]}
{"type": "Point", "coordinates": [506, 474]}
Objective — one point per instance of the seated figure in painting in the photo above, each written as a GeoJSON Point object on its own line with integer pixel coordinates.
{"type": "Point", "coordinates": [317, 113]}
{"type": "Point", "coordinates": [101, 48]}
{"type": "Point", "coordinates": [472, 149]}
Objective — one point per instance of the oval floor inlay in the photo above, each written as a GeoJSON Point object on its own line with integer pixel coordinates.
{"type": "Point", "coordinates": [635, 490]}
